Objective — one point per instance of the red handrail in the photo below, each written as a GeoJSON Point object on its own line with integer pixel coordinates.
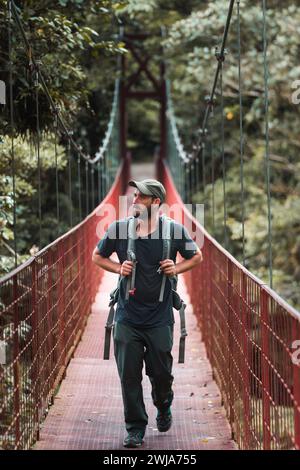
{"type": "Point", "coordinates": [45, 304]}
{"type": "Point", "coordinates": [249, 332]}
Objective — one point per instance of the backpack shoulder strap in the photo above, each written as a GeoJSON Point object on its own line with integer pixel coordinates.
{"type": "Point", "coordinates": [167, 236]}
{"type": "Point", "coordinates": [131, 256]}
{"type": "Point", "coordinates": [183, 333]}
{"type": "Point", "coordinates": [131, 233]}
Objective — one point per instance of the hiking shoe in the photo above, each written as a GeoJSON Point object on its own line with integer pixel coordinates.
{"type": "Point", "coordinates": [164, 420]}
{"type": "Point", "coordinates": [133, 439]}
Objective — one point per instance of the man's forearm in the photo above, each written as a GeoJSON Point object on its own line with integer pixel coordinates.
{"type": "Point", "coordinates": [187, 264]}
{"type": "Point", "coordinates": [107, 264]}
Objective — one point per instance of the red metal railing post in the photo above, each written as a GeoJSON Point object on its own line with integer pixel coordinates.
{"type": "Point", "coordinates": [296, 384]}
{"type": "Point", "coordinates": [61, 319]}
{"type": "Point", "coordinates": [49, 313]}
{"type": "Point", "coordinates": [199, 300]}
{"type": "Point", "coordinates": [265, 354]}
{"type": "Point", "coordinates": [35, 349]}
{"type": "Point", "coordinates": [79, 278]}
{"type": "Point", "coordinates": [52, 320]}
{"type": "Point", "coordinates": [16, 360]}
{"type": "Point", "coordinates": [246, 362]}
{"type": "Point", "coordinates": [89, 254]}
{"type": "Point", "coordinates": [55, 319]}
{"type": "Point", "coordinates": [208, 273]}
{"type": "Point", "coordinates": [84, 268]}
{"type": "Point", "coordinates": [230, 340]}
{"type": "Point", "coordinates": [212, 331]}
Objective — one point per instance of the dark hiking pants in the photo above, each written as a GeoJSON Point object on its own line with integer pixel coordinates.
{"type": "Point", "coordinates": [132, 347]}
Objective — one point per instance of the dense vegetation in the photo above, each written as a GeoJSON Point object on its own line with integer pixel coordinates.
{"type": "Point", "coordinates": [78, 44]}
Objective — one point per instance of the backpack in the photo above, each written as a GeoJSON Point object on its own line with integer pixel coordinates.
{"type": "Point", "coordinates": [177, 302]}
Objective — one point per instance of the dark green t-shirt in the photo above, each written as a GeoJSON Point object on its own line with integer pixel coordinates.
{"type": "Point", "coordinates": [143, 308]}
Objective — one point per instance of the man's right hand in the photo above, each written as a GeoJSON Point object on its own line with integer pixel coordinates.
{"type": "Point", "coordinates": [126, 268]}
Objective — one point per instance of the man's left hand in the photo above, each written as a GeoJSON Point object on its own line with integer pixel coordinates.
{"type": "Point", "coordinates": [168, 267]}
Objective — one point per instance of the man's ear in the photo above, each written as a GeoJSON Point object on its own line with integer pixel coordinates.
{"type": "Point", "coordinates": [156, 200]}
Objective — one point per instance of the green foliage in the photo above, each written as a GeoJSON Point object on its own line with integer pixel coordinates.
{"type": "Point", "coordinates": [77, 45]}
{"type": "Point", "coordinates": [26, 188]}
{"type": "Point", "coordinates": [59, 33]}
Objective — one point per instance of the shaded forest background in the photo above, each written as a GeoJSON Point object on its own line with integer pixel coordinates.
{"type": "Point", "coordinates": [79, 46]}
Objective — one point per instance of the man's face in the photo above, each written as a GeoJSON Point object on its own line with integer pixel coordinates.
{"type": "Point", "coordinates": [142, 204]}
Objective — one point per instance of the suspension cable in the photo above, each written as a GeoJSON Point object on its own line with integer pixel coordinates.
{"type": "Point", "coordinates": [211, 97]}
{"type": "Point", "coordinates": [223, 152]}
{"type": "Point", "coordinates": [241, 130]}
{"type": "Point", "coordinates": [36, 86]}
{"type": "Point", "coordinates": [188, 162]}
{"type": "Point", "coordinates": [197, 166]}
{"type": "Point", "coordinates": [203, 150]}
{"type": "Point", "coordinates": [267, 148]}
{"type": "Point", "coordinates": [183, 158]}
{"type": "Point", "coordinates": [100, 178]}
{"type": "Point", "coordinates": [191, 179]}
{"type": "Point", "coordinates": [212, 174]}
{"type": "Point", "coordinates": [56, 172]}
{"type": "Point", "coordinates": [87, 187]}
{"type": "Point", "coordinates": [220, 63]}
{"type": "Point", "coordinates": [104, 173]}
{"type": "Point", "coordinates": [12, 128]}
{"type": "Point", "coordinates": [79, 186]}
{"type": "Point", "coordinates": [93, 187]}
{"type": "Point", "coordinates": [70, 181]}
{"type": "Point", "coordinates": [99, 181]}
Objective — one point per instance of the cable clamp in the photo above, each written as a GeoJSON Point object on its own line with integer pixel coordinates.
{"type": "Point", "coordinates": [210, 101]}
{"type": "Point", "coordinates": [220, 57]}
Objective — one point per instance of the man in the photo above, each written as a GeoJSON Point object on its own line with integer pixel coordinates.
{"type": "Point", "coordinates": [144, 326]}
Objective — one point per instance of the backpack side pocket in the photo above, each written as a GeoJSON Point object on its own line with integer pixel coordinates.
{"type": "Point", "coordinates": [176, 300]}
{"type": "Point", "coordinates": [114, 295]}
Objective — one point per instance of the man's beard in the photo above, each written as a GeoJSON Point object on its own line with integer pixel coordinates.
{"type": "Point", "coordinates": [143, 214]}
